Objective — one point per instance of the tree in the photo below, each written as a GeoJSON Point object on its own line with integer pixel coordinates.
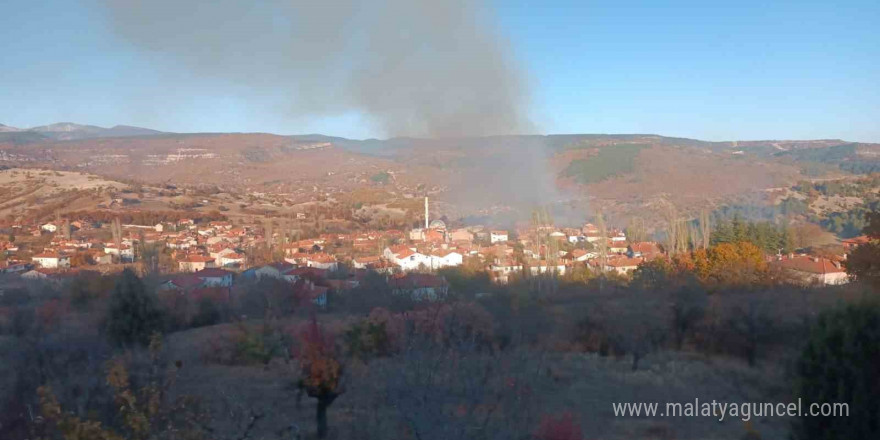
{"type": "Point", "coordinates": [705, 229]}
{"type": "Point", "coordinates": [146, 412]}
{"type": "Point", "coordinates": [863, 264]}
{"type": "Point", "coordinates": [635, 231]}
{"type": "Point", "coordinates": [841, 364]}
{"type": "Point", "coordinates": [670, 214]}
{"type": "Point", "coordinates": [320, 371]}
{"type": "Point", "coordinates": [688, 305]}
{"type": "Point", "coordinates": [751, 324]}
{"type": "Point", "coordinates": [653, 274]}
{"type": "Point", "coordinates": [735, 263]}
{"type": "Point", "coordinates": [134, 315]}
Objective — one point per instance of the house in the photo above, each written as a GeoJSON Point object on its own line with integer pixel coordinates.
{"type": "Point", "coordinates": [447, 258]}
{"type": "Point", "coordinates": [435, 236]}
{"type": "Point", "coordinates": [645, 249]}
{"type": "Point", "coordinates": [230, 260]}
{"type": "Point", "coordinates": [617, 247]}
{"type": "Point", "coordinates": [419, 286]}
{"type": "Point", "coordinates": [273, 270]}
{"type": "Point", "coordinates": [557, 235]}
{"type": "Point", "coordinates": [182, 283]}
{"type": "Point", "coordinates": [7, 266]}
{"type": "Point", "coordinates": [497, 236]}
{"type": "Point", "coordinates": [100, 257]}
{"type": "Point", "coordinates": [322, 261]}
{"type": "Point", "coordinates": [306, 291]}
{"type": "Point", "coordinates": [215, 250]}
{"type": "Point", "coordinates": [410, 260]}
{"type": "Point", "coordinates": [590, 229]}
{"type": "Point", "coordinates": [417, 234]}
{"type": "Point", "coordinates": [214, 277]}
{"type": "Point", "coordinates": [51, 260]}
{"type": "Point", "coordinates": [461, 235]}
{"type": "Point", "coordinates": [194, 263]}
{"type": "Point", "coordinates": [125, 252]}
{"type": "Point", "coordinates": [381, 266]}
{"type": "Point", "coordinates": [312, 273]}
{"type": "Point", "coordinates": [813, 270]}
{"type": "Point", "coordinates": [366, 262]}
{"type": "Point", "coordinates": [622, 265]}
{"type": "Point", "coordinates": [582, 255]}
{"type": "Point", "coordinates": [502, 270]}
{"type": "Point", "coordinates": [851, 244]}
{"type": "Point", "coordinates": [545, 267]}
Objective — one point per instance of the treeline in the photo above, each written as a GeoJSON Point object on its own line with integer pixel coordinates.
{"type": "Point", "coordinates": [849, 223]}
{"type": "Point", "coordinates": [769, 237]}
{"type": "Point", "coordinates": [848, 188]}
{"type": "Point", "coordinates": [787, 208]}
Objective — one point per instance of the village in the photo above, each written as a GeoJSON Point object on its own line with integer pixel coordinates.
{"type": "Point", "coordinates": [190, 255]}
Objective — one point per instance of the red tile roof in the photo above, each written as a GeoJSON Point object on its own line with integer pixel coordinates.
{"type": "Point", "coordinates": [212, 272]}
{"type": "Point", "coordinates": [416, 280]}
{"type": "Point", "coordinates": [197, 259]}
{"type": "Point", "coordinates": [808, 264]}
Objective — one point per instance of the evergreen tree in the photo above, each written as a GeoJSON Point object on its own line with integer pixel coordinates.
{"type": "Point", "coordinates": [739, 229]}
{"type": "Point", "coordinates": [841, 364]}
{"type": "Point", "coordinates": [134, 314]}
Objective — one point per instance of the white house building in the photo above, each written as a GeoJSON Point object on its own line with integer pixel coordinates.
{"type": "Point", "coordinates": [51, 260]}
{"type": "Point", "coordinates": [497, 236]}
{"type": "Point", "coordinates": [214, 277]}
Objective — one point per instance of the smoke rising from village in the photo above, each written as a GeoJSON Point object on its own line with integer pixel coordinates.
{"type": "Point", "coordinates": [413, 67]}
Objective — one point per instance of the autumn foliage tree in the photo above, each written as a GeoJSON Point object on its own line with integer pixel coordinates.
{"type": "Point", "coordinates": [320, 371]}
{"type": "Point", "coordinates": [733, 263]}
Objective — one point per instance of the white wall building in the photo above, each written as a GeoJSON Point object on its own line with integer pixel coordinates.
{"type": "Point", "coordinates": [51, 260]}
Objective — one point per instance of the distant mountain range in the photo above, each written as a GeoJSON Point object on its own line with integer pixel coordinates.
{"type": "Point", "coordinates": [68, 131]}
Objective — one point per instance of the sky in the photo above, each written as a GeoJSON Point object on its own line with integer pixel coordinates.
{"type": "Point", "coordinates": [742, 70]}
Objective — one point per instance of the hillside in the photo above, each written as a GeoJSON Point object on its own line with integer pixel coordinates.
{"type": "Point", "coordinates": [625, 174]}
{"type": "Point", "coordinates": [69, 131]}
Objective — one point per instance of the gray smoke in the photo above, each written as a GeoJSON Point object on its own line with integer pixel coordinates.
{"type": "Point", "coordinates": [435, 68]}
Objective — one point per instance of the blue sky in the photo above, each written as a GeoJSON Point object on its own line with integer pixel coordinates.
{"type": "Point", "coordinates": [743, 70]}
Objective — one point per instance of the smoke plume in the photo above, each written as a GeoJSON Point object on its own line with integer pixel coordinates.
{"type": "Point", "coordinates": [436, 68]}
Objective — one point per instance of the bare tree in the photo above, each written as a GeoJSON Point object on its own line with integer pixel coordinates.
{"type": "Point", "coordinates": [670, 214]}
{"type": "Point", "coordinates": [705, 229]}
{"type": "Point", "coordinates": [603, 241]}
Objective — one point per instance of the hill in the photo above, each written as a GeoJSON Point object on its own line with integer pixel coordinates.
{"type": "Point", "coordinates": [69, 131]}
{"type": "Point", "coordinates": [625, 174]}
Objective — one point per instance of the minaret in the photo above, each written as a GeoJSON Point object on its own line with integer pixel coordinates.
{"type": "Point", "coordinates": [426, 213]}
